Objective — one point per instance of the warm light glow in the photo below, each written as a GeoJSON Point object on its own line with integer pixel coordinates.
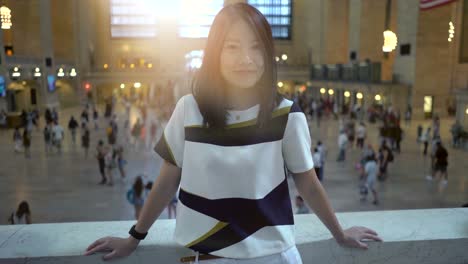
{"type": "Point", "coordinates": [150, 65]}
{"type": "Point", "coordinates": [280, 84]}
{"type": "Point", "coordinates": [106, 66]}
{"type": "Point", "coordinates": [347, 94]}
{"type": "Point", "coordinates": [390, 41]}
{"type": "Point", "coordinates": [302, 88]}
{"type": "Point", "coordinates": [122, 86]}
{"type": "Point", "coordinates": [132, 65]}
{"type": "Point", "coordinates": [466, 111]}
{"type": "Point", "coordinates": [451, 32]}
{"type": "Point", "coordinates": [194, 60]}
{"type": "Point", "coordinates": [137, 85]}
{"type": "Point", "coordinates": [5, 17]}
{"type": "Point", "coordinates": [15, 69]}
{"type": "Point", "coordinates": [277, 58]}
{"type": "Point", "coordinates": [331, 92]}
{"type": "Point", "coordinates": [284, 57]}
{"type": "Point", "coordinates": [60, 73]}
{"type": "Point", "coordinates": [377, 97]}
{"type": "Point", "coordinates": [73, 72]}
{"type": "Point", "coordinates": [359, 96]}
{"type": "Point", "coordinates": [323, 90]}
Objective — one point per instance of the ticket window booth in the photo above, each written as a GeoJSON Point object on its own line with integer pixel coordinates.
{"type": "Point", "coordinates": [428, 106]}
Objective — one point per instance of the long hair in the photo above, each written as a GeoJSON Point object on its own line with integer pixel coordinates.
{"type": "Point", "coordinates": [209, 87]}
{"type": "Point", "coordinates": [138, 186]}
{"type": "Point", "coordinates": [23, 208]}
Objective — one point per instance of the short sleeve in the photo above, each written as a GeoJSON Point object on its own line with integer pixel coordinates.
{"type": "Point", "coordinates": [171, 144]}
{"type": "Point", "coordinates": [297, 143]}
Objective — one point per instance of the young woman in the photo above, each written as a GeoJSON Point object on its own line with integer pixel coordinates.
{"type": "Point", "coordinates": [136, 195]}
{"type": "Point", "coordinates": [227, 146]}
{"type": "Point", "coordinates": [22, 216]}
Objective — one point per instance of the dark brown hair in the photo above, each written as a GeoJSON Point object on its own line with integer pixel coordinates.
{"type": "Point", "coordinates": [209, 87]}
{"type": "Point", "coordinates": [138, 187]}
{"type": "Point", "coordinates": [23, 208]}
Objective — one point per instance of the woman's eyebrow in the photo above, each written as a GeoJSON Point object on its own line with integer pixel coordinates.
{"type": "Point", "coordinates": [232, 40]}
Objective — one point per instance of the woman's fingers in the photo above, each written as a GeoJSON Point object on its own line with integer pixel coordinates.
{"type": "Point", "coordinates": [370, 231]}
{"type": "Point", "coordinates": [371, 237]}
{"type": "Point", "coordinates": [109, 256]}
{"type": "Point", "coordinates": [362, 245]}
{"type": "Point", "coordinates": [99, 248]}
{"type": "Point", "coordinates": [95, 243]}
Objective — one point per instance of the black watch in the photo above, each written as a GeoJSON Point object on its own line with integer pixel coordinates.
{"type": "Point", "coordinates": [135, 234]}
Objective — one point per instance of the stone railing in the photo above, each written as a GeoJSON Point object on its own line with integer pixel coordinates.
{"type": "Point", "coordinates": [410, 236]}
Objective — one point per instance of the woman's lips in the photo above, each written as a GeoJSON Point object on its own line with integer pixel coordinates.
{"type": "Point", "coordinates": [244, 71]}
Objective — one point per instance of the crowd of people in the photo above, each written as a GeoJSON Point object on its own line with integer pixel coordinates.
{"type": "Point", "coordinates": [374, 163]}
{"type": "Point", "coordinates": [110, 153]}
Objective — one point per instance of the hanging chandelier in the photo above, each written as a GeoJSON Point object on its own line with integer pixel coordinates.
{"type": "Point", "coordinates": [5, 17]}
{"type": "Point", "coordinates": [390, 41]}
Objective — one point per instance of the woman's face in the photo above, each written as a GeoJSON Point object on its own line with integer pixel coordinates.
{"type": "Point", "coordinates": [242, 62]}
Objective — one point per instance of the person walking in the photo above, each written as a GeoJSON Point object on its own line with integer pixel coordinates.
{"type": "Point", "coordinates": [85, 140]}
{"type": "Point", "coordinates": [317, 158]}
{"type": "Point", "coordinates": [360, 135]}
{"type": "Point", "coordinates": [111, 164]}
{"type": "Point", "coordinates": [137, 195]}
{"type": "Point", "coordinates": [425, 139]}
{"type": "Point", "coordinates": [369, 179]}
{"type": "Point", "coordinates": [18, 140]}
{"type": "Point", "coordinates": [440, 163]}
{"type": "Point", "coordinates": [95, 119]}
{"type": "Point", "coordinates": [27, 143]}
{"type": "Point", "coordinates": [57, 136]}
{"type": "Point", "coordinates": [323, 156]}
{"type": "Point", "coordinates": [235, 83]}
{"type": "Point", "coordinates": [101, 152]}
{"type": "Point", "coordinates": [72, 126]}
{"type": "Point", "coordinates": [385, 157]}
{"type": "Point", "coordinates": [342, 143]}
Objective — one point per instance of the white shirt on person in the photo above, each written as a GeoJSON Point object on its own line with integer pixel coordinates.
{"type": "Point", "coordinates": [233, 197]}
{"type": "Point", "coordinates": [342, 140]}
{"type": "Point", "coordinates": [317, 157]}
{"type": "Point", "coordinates": [57, 132]}
{"type": "Point", "coordinates": [361, 131]}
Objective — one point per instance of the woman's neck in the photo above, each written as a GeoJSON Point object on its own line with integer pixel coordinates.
{"type": "Point", "coordinates": [242, 99]}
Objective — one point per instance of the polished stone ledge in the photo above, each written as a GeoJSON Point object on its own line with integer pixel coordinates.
{"type": "Point", "coordinates": [410, 236]}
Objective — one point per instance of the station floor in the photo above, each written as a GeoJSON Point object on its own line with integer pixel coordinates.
{"type": "Point", "coordinates": [63, 187]}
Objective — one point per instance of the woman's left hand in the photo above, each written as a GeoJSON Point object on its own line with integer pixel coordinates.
{"type": "Point", "coordinates": [354, 236]}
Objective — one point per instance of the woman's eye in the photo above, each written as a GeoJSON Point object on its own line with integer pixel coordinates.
{"type": "Point", "coordinates": [231, 46]}
{"type": "Point", "coordinates": [256, 46]}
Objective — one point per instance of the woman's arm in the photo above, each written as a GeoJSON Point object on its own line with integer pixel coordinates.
{"type": "Point", "coordinates": [311, 190]}
{"type": "Point", "coordinates": [313, 193]}
{"type": "Point", "coordinates": [163, 190]}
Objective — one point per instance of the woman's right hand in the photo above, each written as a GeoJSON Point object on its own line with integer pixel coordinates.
{"type": "Point", "coordinates": [118, 247]}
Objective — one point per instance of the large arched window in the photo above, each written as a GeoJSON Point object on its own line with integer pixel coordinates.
{"type": "Point", "coordinates": [133, 18]}
{"type": "Point", "coordinates": [139, 18]}
{"type": "Point", "coordinates": [279, 15]}
{"type": "Point", "coordinates": [196, 17]}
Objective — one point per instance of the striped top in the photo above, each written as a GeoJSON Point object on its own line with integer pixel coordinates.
{"type": "Point", "coordinates": [234, 199]}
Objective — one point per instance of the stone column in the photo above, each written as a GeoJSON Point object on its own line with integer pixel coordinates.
{"type": "Point", "coordinates": [407, 29]}
{"type": "Point", "coordinates": [49, 99]}
{"type": "Point", "coordinates": [432, 76]}
{"type": "Point", "coordinates": [3, 71]}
